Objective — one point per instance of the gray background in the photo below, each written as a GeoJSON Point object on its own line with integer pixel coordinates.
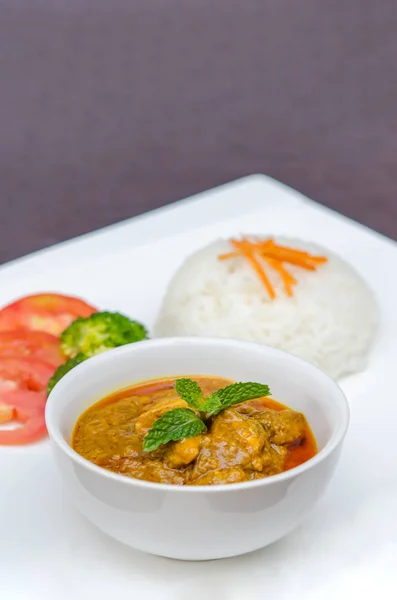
{"type": "Point", "coordinates": [112, 107]}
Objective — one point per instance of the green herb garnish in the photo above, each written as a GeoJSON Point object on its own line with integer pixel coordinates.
{"type": "Point", "coordinates": [190, 392]}
{"type": "Point", "coordinates": [174, 425]}
{"type": "Point", "coordinates": [180, 423]}
{"type": "Point", "coordinates": [233, 394]}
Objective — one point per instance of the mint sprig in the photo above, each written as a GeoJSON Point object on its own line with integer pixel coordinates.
{"type": "Point", "coordinates": [180, 423]}
{"type": "Point", "coordinates": [233, 394]}
{"type": "Point", "coordinates": [190, 392]}
{"type": "Point", "coordinates": [174, 425]}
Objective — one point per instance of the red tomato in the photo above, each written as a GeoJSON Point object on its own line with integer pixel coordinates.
{"type": "Point", "coordinates": [51, 313]}
{"type": "Point", "coordinates": [31, 344]}
{"type": "Point", "coordinates": [27, 409]}
{"type": "Point", "coordinates": [29, 374]}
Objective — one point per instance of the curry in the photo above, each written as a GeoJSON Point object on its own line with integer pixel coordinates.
{"type": "Point", "coordinates": [246, 441]}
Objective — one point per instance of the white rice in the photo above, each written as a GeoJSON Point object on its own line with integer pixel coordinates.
{"type": "Point", "coordinates": [330, 320]}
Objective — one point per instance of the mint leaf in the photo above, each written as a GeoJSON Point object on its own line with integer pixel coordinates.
{"type": "Point", "coordinates": [190, 392]}
{"type": "Point", "coordinates": [233, 394]}
{"type": "Point", "coordinates": [174, 425]}
{"type": "Point", "coordinates": [212, 405]}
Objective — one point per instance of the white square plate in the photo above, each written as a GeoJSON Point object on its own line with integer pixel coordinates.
{"type": "Point", "coordinates": [346, 547]}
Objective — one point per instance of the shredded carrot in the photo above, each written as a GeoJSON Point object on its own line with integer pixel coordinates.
{"type": "Point", "coordinates": [290, 252]}
{"type": "Point", "coordinates": [229, 255]}
{"type": "Point", "coordinates": [258, 252]}
{"type": "Point", "coordinates": [287, 278]}
{"type": "Point", "coordinates": [295, 257]}
{"type": "Point", "coordinates": [247, 251]}
{"type": "Point", "coordinates": [293, 260]}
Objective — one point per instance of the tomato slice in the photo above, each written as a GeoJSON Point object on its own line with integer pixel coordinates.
{"type": "Point", "coordinates": [50, 313]}
{"type": "Point", "coordinates": [31, 344]}
{"type": "Point", "coordinates": [29, 374]}
{"type": "Point", "coordinates": [27, 409]}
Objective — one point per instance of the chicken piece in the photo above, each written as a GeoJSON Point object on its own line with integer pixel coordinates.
{"type": "Point", "coordinates": [182, 453]}
{"type": "Point", "coordinates": [273, 458]}
{"type": "Point", "coordinates": [252, 408]}
{"type": "Point", "coordinates": [221, 476]}
{"type": "Point", "coordinates": [234, 441]}
{"type": "Point", "coordinates": [145, 421]}
{"type": "Point", "coordinates": [143, 468]}
{"type": "Point", "coordinates": [285, 427]}
{"type": "Point", "coordinates": [252, 475]}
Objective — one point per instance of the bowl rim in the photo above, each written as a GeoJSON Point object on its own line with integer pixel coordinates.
{"type": "Point", "coordinates": [336, 438]}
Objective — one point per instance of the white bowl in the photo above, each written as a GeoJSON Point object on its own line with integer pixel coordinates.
{"type": "Point", "coordinates": [206, 522]}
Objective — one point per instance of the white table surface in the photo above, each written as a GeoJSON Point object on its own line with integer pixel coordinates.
{"type": "Point", "coordinates": [347, 548]}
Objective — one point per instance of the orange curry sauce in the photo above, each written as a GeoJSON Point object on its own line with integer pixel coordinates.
{"type": "Point", "coordinates": [106, 434]}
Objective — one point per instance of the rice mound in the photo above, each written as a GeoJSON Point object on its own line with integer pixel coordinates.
{"type": "Point", "coordinates": [330, 320]}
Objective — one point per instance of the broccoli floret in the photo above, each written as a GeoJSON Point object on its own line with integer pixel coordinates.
{"type": "Point", "coordinates": [99, 332]}
{"type": "Point", "coordinates": [63, 369]}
